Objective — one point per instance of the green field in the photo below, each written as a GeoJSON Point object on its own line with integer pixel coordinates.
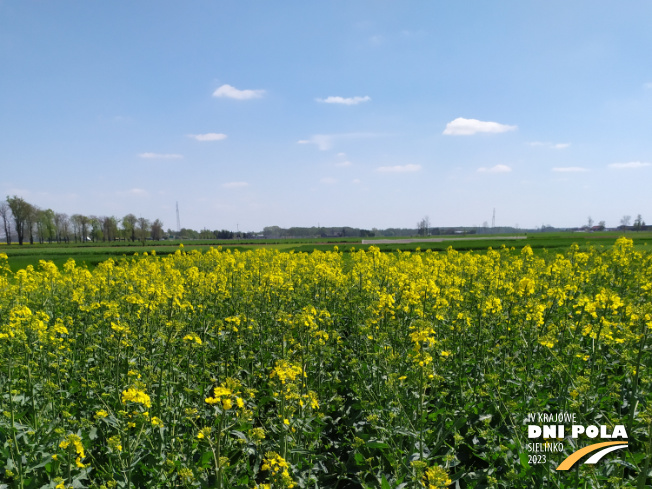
{"type": "Point", "coordinates": [93, 253]}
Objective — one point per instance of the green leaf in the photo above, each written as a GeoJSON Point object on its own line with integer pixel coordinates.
{"type": "Point", "coordinates": [377, 444]}
{"type": "Point", "coordinates": [384, 484]}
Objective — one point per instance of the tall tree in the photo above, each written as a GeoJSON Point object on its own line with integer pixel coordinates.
{"type": "Point", "coordinates": [142, 229]}
{"type": "Point", "coordinates": [157, 230]}
{"type": "Point", "coordinates": [423, 226]}
{"type": "Point", "coordinates": [21, 211]}
{"type": "Point", "coordinates": [129, 226]}
{"type": "Point", "coordinates": [60, 222]}
{"type": "Point", "coordinates": [109, 227]}
{"type": "Point", "coordinates": [96, 228]}
{"type": "Point", "coordinates": [49, 224]}
{"type": "Point", "coordinates": [76, 221]}
{"type": "Point", "coordinates": [5, 213]}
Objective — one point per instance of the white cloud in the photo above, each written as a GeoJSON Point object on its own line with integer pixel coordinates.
{"type": "Point", "coordinates": [495, 169]}
{"type": "Point", "coordinates": [160, 156]}
{"type": "Point", "coordinates": [328, 181]}
{"type": "Point", "coordinates": [648, 85]}
{"type": "Point", "coordinates": [323, 141]}
{"type": "Point", "coordinates": [570, 169]}
{"type": "Point", "coordinates": [550, 145]}
{"type": "Point", "coordinates": [137, 191]}
{"type": "Point", "coordinates": [467, 127]}
{"type": "Point", "coordinates": [235, 184]}
{"type": "Point", "coordinates": [210, 136]}
{"type": "Point", "coordinates": [343, 163]}
{"type": "Point", "coordinates": [631, 164]}
{"type": "Point", "coordinates": [344, 100]}
{"type": "Point", "coordinates": [399, 168]}
{"type": "Point", "coordinates": [356, 181]}
{"type": "Point", "coordinates": [326, 141]}
{"type": "Point", "coordinates": [231, 92]}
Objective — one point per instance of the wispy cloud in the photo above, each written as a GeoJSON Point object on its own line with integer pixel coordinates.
{"type": "Point", "coordinates": [550, 145]}
{"type": "Point", "coordinates": [570, 169]}
{"type": "Point", "coordinates": [235, 184]}
{"type": "Point", "coordinates": [160, 156]}
{"type": "Point", "coordinates": [322, 141]}
{"type": "Point", "coordinates": [468, 127]}
{"type": "Point", "coordinates": [137, 191]}
{"type": "Point", "coordinates": [648, 85]}
{"type": "Point", "coordinates": [343, 163]}
{"type": "Point", "coordinates": [344, 100]}
{"type": "Point", "coordinates": [210, 136]}
{"type": "Point", "coordinates": [326, 141]}
{"type": "Point", "coordinates": [229, 91]}
{"type": "Point", "coordinates": [629, 165]}
{"type": "Point", "coordinates": [399, 168]}
{"type": "Point", "coordinates": [328, 181]}
{"type": "Point", "coordinates": [495, 169]}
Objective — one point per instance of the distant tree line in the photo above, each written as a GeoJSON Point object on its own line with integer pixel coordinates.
{"type": "Point", "coordinates": [28, 222]}
{"type": "Point", "coordinates": [186, 233]}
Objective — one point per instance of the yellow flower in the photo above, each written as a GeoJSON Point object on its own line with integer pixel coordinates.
{"type": "Point", "coordinates": [101, 414]}
{"type": "Point", "coordinates": [137, 396]}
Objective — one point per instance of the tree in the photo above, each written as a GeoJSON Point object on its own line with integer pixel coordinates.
{"type": "Point", "coordinates": [602, 225]}
{"type": "Point", "coordinates": [32, 221]}
{"type": "Point", "coordinates": [625, 221]}
{"type": "Point", "coordinates": [157, 230]}
{"type": "Point", "coordinates": [142, 229]}
{"type": "Point", "coordinates": [639, 223]}
{"type": "Point", "coordinates": [62, 225]}
{"type": "Point", "coordinates": [109, 227]}
{"type": "Point", "coordinates": [45, 225]}
{"type": "Point", "coordinates": [5, 213]}
{"type": "Point", "coordinates": [590, 222]}
{"type": "Point", "coordinates": [96, 228]}
{"type": "Point", "coordinates": [423, 226]}
{"type": "Point", "coordinates": [129, 226]}
{"type": "Point", "coordinates": [80, 225]}
{"type": "Point", "coordinates": [75, 220]}
{"type": "Point", "coordinates": [21, 210]}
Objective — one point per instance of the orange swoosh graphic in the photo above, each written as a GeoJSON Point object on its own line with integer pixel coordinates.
{"type": "Point", "coordinates": [575, 456]}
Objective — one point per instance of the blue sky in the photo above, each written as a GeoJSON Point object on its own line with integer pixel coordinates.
{"type": "Point", "coordinates": [338, 113]}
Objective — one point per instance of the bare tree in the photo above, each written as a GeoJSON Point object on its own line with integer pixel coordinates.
{"type": "Point", "coordinates": [423, 225]}
{"type": "Point", "coordinates": [5, 213]}
{"type": "Point", "coordinates": [625, 221]}
{"type": "Point", "coordinates": [590, 222]}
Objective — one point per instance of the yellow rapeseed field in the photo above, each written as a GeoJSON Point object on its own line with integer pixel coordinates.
{"type": "Point", "coordinates": [264, 369]}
